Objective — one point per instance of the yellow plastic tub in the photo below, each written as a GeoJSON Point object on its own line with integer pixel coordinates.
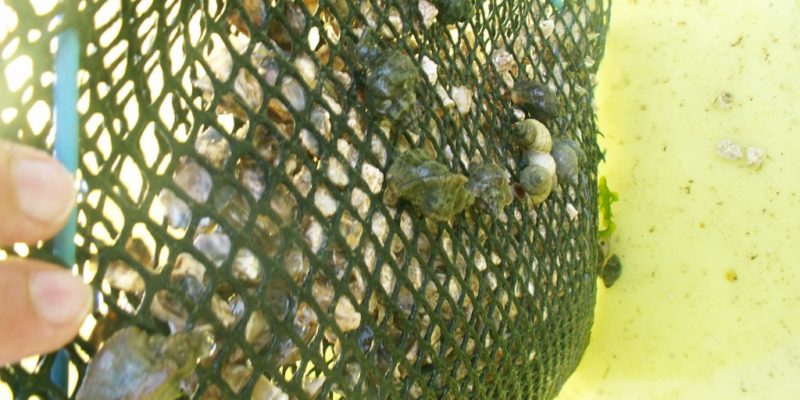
{"type": "Point", "coordinates": [708, 305]}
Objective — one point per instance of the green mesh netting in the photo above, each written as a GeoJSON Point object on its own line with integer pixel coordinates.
{"type": "Point", "coordinates": [234, 159]}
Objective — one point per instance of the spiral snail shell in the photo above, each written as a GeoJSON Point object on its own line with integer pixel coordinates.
{"type": "Point", "coordinates": [531, 134]}
{"type": "Point", "coordinates": [537, 181]}
{"type": "Point", "coordinates": [536, 99]}
{"type": "Point", "coordinates": [568, 156]}
{"type": "Point", "coordinates": [543, 159]}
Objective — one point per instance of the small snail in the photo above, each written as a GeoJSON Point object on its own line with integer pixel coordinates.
{"type": "Point", "coordinates": [567, 160]}
{"type": "Point", "coordinates": [576, 147]}
{"type": "Point", "coordinates": [391, 83]}
{"type": "Point", "coordinates": [452, 11]}
{"type": "Point", "coordinates": [537, 182]}
{"type": "Point", "coordinates": [536, 99]}
{"type": "Point", "coordinates": [427, 184]}
{"type": "Point", "coordinates": [489, 183]}
{"type": "Point", "coordinates": [541, 158]}
{"type": "Point", "coordinates": [611, 270]}
{"type": "Point", "coordinates": [531, 134]}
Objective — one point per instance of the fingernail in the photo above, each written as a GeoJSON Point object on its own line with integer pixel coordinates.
{"type": "Point", "coordinates": [59, 297]}
{"type": "Point", "coordinates": [45, 191]}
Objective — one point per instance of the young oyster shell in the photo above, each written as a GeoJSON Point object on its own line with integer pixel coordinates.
{"type": "Point", "coordinates": [391, 83]}
{"type": "Point", "coordinates": [489, 183]}
{"type": "Point", "coordinates": [452, 11]}
{"type": "Point", "coordinates": [535, 98]}
{"type": "Point", "coordinates": [134, 365]}
{"type": "Point", "coordinates": [435, 191]}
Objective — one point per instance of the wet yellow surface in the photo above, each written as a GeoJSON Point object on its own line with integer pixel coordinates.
{"type": "Point", "coordinates": [707, 305]}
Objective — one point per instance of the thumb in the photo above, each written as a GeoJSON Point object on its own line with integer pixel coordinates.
{"type": "Point", "coordinates": [36, 194]}
{"type": "Point", "coordinates": [43, 307]}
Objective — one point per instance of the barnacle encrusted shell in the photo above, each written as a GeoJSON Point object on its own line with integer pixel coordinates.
{"type": "Point", "coordinates": [436, 192]}
{"type": "Point", "coordinates": [489, 183]}
{"type": "Point", "coordinates": [134, 365]}
{"type": "Point", "coordinates": [537, 181]}
{"type": "Point", "coordinates": [536, 99]}
{"type": "Point", "coordinates": [391, 85]}
{"type": "Point", "coordinates": [531, 134]}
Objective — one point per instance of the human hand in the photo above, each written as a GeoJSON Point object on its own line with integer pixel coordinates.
{"type": "Point", "coordinates": [42, 305]}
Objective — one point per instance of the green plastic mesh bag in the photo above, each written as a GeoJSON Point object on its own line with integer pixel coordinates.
{"type": "Point", "coordinates": [313, 199]}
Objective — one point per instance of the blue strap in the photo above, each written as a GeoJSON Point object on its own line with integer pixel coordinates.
{"type": "Point", "coordinates": [66, 151]}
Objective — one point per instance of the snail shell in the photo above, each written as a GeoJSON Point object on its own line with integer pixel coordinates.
{"type": "Point", "coordinates": [542, 159]}
{"type": "Point", "coordinates": [537, 181]}
{"type": "Point", "coordinates": [535, 98]}
{"type": "Point", "coordinates": [577, 148]}
{"type": "Point", "coordinates": [567, 160]}
{"type": "Point", "coordinates": [531, 134]}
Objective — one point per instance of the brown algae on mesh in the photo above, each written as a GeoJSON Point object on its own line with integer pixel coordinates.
{"type": "Point", "coordinates": [434, 191]}
{"type": "Point", "coordinates": [135, 365]}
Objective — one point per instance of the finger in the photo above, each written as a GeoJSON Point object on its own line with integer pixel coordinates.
{"type": "Point", "coordinates": [43, 307]}
{"type": "Point", "coordinates": [36, 194]}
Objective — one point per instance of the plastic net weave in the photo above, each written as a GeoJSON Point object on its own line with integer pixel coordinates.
{"type": "Point", "coordinates": [241, 177]}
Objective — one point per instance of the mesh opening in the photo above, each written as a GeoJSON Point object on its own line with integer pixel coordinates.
{"type": "Point", "coordinates": [234, 160]}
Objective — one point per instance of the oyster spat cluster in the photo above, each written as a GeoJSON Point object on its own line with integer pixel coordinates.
{"type": "Point", "coordinates": [133, 364]}
{"type": "Point", "coordinates": [427, 184]}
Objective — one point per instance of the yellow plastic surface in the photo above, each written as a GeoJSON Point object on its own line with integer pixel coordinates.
{"type": "Point", "coordinates": [708, 305]}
